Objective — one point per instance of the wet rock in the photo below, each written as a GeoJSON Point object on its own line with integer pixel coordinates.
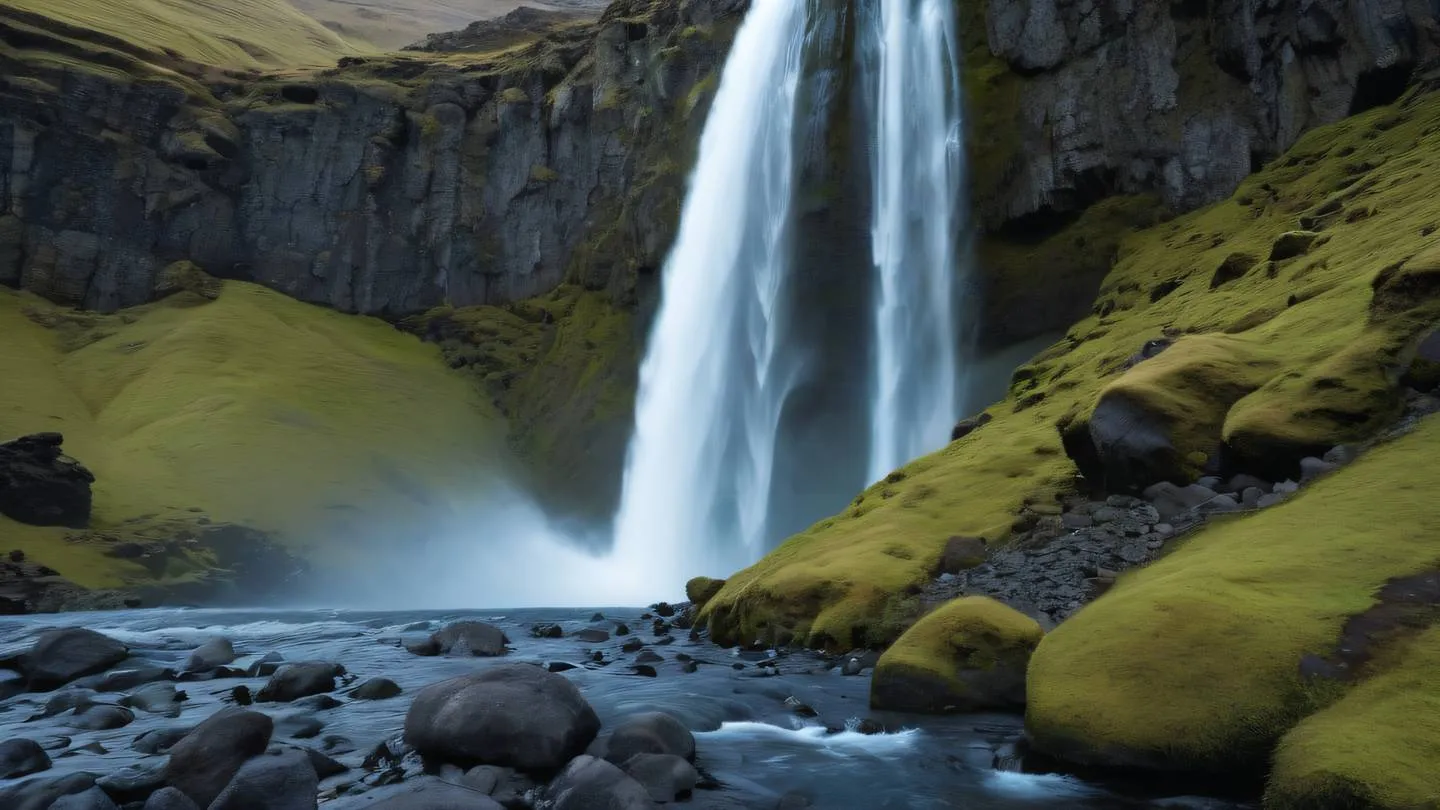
{"type": "Point", "coordinates": [294, 681]}
{"type": "Point", "coordinates": [134, 783]}
{"type": "Point", "coordinates": [547, 631]}
{"type": "Point", "coordinates": [632, 645]}
{"type": "Point", "coordinates": [664, 610]}
{"type": "Point", "coordinates": [665, 777]}
{"type": "Point", "coordinates": [644, 670]}
{"type": "Point", "coordinates": [325, 766]}
{"type": "Point", "coordinates": [470, 638]}
{"type": "Point", "coordinates": [376, 689]}
{"type": "Point", "coordinates": [160, 740]}
{"type": "Point", "coordinates": [299, 727]}
{"type": "Point", "coordinates": [1220, 503]}
{"type": "Point", "coordinates": [560, 666]}
{"type": "Point", "coordinates": [203, 763]}
{"type": "Point", "coordinates": [156, 698]}
{"type": "Point", "coordinates": [1312, 468]}
{"type": "Point", "coordinates": [648, 657]}
{"type": "Point", "coordinates": [593, 636]}
{"type": "Point", "coordinates": [241, 695]}
{"type": "Point", "coordinates": [430, 794]}
{"type": "Point", "coordinates": [123, 680]}
{"type": "Point", "coordinates": [588, 783]}
{"type": "Point", "coordinates": [170, 799]}
{"type": "Point", "coordinates": [100, 717]}
{"type": "Point", "coordinates": [61, 656]}
{"type": "Point", "coordinates": [1250, 498]}
{"type": "Point", "coordinates": [41, 486]}
{"type": "Point", "coordinates": [281, 781]}
{"type": "Point", "coordinates": [42, 793]}
{"type": "Point", "coordinates": [648, 733]}
{"type": "Point", "coordinates": [92, 799]}
{"type": "Point", "coordinates": [515, 715]}
{"type": "Point", "coordinates": [21, 757]}
{"type": "Point", "coordinates": [266, 665]}
{"type": "Point", "coordinates": [1075, 520]}
{"type": "Point", "coordinates": [622, 629]}
{"type": "Point", "coordinates": [1341, 454]}
{"type": "Point", "coordinates": [317, 703]}
{"type": "Point", "coordinates": [214, 653]}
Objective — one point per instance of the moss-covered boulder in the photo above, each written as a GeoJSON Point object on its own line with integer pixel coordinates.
{"type": "Point", "coordinates": [702, 589]}
{"type": "Point", "coordinates": [1194, 663]}
{"type": "Point", "coordinates": [969, 655]}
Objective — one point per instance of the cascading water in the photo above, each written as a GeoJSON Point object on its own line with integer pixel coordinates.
{"type": "Point", "coordinates": [918, 174]}
{"type": "Point", "coordinates": [716, 374]}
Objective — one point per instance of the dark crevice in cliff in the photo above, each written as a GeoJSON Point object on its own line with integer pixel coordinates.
{"type": "Point", "coordinates": [1381, 86]}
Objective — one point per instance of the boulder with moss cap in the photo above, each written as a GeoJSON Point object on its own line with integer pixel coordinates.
{"type": "Point", "coordinates": [969, 655]}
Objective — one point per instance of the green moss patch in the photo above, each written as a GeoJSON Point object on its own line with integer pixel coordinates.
{"type": "Point", "coordinates": [1334, 355]}
{"type": "Point", "coordinates": [968, 655]}
{"type": "Point", "coordinates": [1193, 662]}
{"type": "Point", "coordinates": [1376, 747]}
{"type": "Point", "coordinates": [330, 430]}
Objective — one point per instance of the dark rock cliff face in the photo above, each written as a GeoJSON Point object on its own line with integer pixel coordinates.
{"type": "Point", "coordinates": [384, 186]}
{"type": "Point", "coordinates": [1076, 101]}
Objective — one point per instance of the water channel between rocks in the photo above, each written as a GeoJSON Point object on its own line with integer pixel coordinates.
{"type": "Point", "coordinates": [750, 740]}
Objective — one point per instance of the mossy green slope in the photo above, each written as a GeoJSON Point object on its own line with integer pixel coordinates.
{"type": "Point", "coordinates": [1375, 748]}
{"type": "Point", "coordinates": [257, 34]}
{"type": "Point", "coordinates": [1193, 662]}
{"type": "Point", "coordinates": [1335, 343]}
{"type": "Point", "coordinates": [330, 430]}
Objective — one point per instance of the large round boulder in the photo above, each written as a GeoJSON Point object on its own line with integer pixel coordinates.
{"type": "Point", "coordinates": [21, 757]}
{"type": "Point", "coordinates": [517, 715]}
{"type": "Point", "coordinates": [294, 681]}
{"type": "Point", "coordinates": [61, 656]}
{"type": "Point", "coordinates": [969, 655]}
{"type": "Point", "coordinates": [205, 761]}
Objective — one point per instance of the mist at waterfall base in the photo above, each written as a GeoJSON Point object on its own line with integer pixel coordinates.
{"type": "Point", "coordinates": [778, 380]}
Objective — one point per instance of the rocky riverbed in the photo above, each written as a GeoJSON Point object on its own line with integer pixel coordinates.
{"type": "Point", "coordinates": [161, 709]}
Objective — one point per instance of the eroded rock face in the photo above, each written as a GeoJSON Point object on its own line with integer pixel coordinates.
{"type": "Point", "coordinates": [42, 486]}
{"type": "Point", "coordinates": [1181, 99]}
{"type": "Point", "coordinates": [477, 187]}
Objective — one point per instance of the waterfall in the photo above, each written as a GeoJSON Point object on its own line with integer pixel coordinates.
{"type": "Point", "coordinates": [727, 350]}
{"type": "Point", "coordinates": [918, 175]}
{"type": "Point", "coordinates": [717, 373]}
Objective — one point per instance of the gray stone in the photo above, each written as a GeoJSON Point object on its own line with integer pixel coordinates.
{"type": "Point", "coordinates": [1286, 488]}
{"type": "Point", "coordinates": [156, 698]}
{"type": "Point", "coordinates": [40, 485]}
{"type": "Point", "coordinates": [421, 794]}
{"type": "Point", "coordinates": [1210, 482]}
{"type": "Point", "coordinates": [1273, 498]}
{"type": "Point", "coordinates": [282, 781]}
{"type": "Point", "coordinates": [1171, 501]}
{"type": "Point", "coordinates": [1312, 468]}
{"type": "Point", "coordinates": [214, 653]}
{"type": "Point", "coordinates": [376, 689]}
{"type": "Point", "coordinates": [1074, 520]}
{"type": "Point", "coordinates": [21, 757]}
{"type": "Point", "coordinates": [92, 799]}
{"type": "Point", "coordinates": [101, 717]}
{"type": "Point", "coordinates": [61, 656]}
{"type": "Point", "coordinates": [1220, 503]}
{"type": "Point", "coordinates": [202, 763]}
{"type": "Point", "coordinates": [1251, 497]}
{"type": "Point", "coordinates": [666, 777]}
{"type": "Point", "coordinates": [471, 638]}
{"type": "Point", "coordinates": [133, 783]}
{"type": "Point", "coordinates": [295, 681]}
{"type": "Point", "coordinates": [42, 792]}
{"type": "Point", "coordinates": [1107, 514]}
{"type": "Point", "coordinates": [589, 783]}
{"type": "Point", "coordinates": [483, 778]}
{"type": "Point", "coordinates": [1341, 454]}
{"type": "Point", "coordinates": [649, 733]}
{"type": "Point", "coordinates": [170, 799]}
{"type": "Point", "coordinates": [593, 635]}
{"type": "Point", "coordinates": [515, 715]}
